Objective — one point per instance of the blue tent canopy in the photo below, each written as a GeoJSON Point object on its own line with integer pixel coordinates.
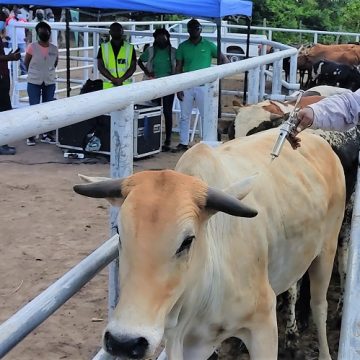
{"type": "Point", "coordinates": [200, 8]}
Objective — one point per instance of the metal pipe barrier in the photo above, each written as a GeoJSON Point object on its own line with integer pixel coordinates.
{"type": "Point", "coordinates": [349, 346]}
{"type": "Point", "coordinates": [45, 117]}
{"type": "Point", "coordinates": [96, 30]}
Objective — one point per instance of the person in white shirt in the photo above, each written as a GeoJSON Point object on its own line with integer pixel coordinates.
{"type": "Point", "coordinates": [338, 112]}
{"type": "Point", "coordinates": [20, 42]}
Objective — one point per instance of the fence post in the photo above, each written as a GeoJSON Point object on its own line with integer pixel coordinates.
{"type": "Point", "coordinates": [293, 71]}
{"type": "Point", "coordinates": [262, 80]}
{"type": "Point", "coordinates": [86, 53]}
{"type": "Point", "coordinates": [253, 93]}
{"type": "Point", "coordinates": [277, 76]}
{"type": "Point", "coordinates": [95, 51]}
{"type": "Point", "coordinates": [349, 345]}
{"type": "Point", "coordinates": [210, 121]}
{"type": "Point", "coordinates": [121, 165]}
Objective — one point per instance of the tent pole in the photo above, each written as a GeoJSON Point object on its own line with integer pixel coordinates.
{"type": "Point", "coordinates": [248, 23]}
{"type": "Point", "coordinates": [218, 43]}
{"type": "Point", "coordinates": [67, 41]}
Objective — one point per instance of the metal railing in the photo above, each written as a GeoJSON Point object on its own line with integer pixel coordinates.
{"type": "Point", "coordinates": [91, 33]}
{"type": "Point", "coordinates": [349, 346]}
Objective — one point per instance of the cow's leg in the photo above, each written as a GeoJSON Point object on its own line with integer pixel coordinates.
{"type": "Point", "coordinates": [291, 331]}
{"type": "Point", "coordinates": [262, 342]}
{"type": "Point", "coordinates": [320, 274]}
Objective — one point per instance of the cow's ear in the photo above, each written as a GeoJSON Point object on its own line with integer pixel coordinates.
{"type": "Point", "coordinates": [92, 179]}
{"type": "Point", "coordinates": [109, 189]}
{"type": "Point", "coordinates": [241, 188]}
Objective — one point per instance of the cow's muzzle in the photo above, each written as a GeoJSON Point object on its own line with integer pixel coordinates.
{"type": "Point", "coordinates": [128, 347]}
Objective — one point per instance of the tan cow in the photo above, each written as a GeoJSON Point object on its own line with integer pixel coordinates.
{"type": "Point", "coordinates": [194, 275]}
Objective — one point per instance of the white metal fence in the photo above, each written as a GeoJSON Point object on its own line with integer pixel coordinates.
{"type": "Point", "coordinates": [91, 33]}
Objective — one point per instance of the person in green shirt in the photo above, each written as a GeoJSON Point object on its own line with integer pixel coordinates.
{"type": "Point", "coordinates": [193, 54]}
{"type": "Point", "coordinates": [160, 61]}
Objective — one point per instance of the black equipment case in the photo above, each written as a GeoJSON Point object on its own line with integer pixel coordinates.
{"type": "Point", "coordinates": [147, 132]}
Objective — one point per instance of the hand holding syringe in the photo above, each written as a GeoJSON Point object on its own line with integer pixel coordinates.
{"type": "Point", "coordinates": [287, 129]}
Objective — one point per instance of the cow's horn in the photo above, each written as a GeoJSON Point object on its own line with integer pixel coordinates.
{"type": "Point", "coordinates": [101, 189]}
{"type": "Point", "coordinates": [220, 201]}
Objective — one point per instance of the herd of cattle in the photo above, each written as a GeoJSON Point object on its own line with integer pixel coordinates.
{"type": "Point", "coordinates": [205, 250]}
{"type": "Point", "coordinates": [334, 65]}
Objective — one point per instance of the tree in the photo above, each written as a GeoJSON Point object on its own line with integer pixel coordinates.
{"type": "Point", "coordinates": [350, 16]}
{"type": "Point", "coordinates": [311, 14]}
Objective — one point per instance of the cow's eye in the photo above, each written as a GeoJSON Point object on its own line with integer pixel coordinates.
{"type": "Point", "coordinates": [185, 246]}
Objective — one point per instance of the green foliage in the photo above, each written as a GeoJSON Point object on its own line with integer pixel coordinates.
{"type": "Point", "coordinates": [328, 15]}
{"type": "Point", "coordinates": [350, 16]}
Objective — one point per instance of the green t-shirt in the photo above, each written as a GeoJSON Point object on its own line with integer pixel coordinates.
{"type": "Point", "coordinates": [161, 61]}
{"type": "Point", "coordinates": [196, 56]}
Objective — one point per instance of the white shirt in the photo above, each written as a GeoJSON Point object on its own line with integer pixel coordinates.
{"type": "Point", "coordinates": [338, 112]}
{"type": "Point", "coordinates": [20, 32]}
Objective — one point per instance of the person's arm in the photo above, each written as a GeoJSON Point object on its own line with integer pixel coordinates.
{"type": "Point", "coordinates": [57, 58]}
{"type": "Point", "coordinates": [338, 112]}
{"type": "Point", "coordinates": [28, 56]}
{"type": "Point", "coordinates": [27, 60]}
{"type": "Point", "coordinates": [142, 67]}
{"type": "Point", "coordinates": [12, 56]}
{"type": "Point", "coordinates": [223, 58]}
{"type": "Point", "coordinates": [103, 71]}
{"type": "Point", "coordinates": [144, 57]}
{"type": "Point", "coordinates": [179, 68]}
{"type": "Point", "coordinates": [101, 67]}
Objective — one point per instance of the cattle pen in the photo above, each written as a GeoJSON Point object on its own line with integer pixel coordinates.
{"type": "Point", "coordinates": [119, 102]}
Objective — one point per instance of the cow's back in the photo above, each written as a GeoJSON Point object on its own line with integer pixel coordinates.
{"type": "Point", "coordinates": [300, 197]}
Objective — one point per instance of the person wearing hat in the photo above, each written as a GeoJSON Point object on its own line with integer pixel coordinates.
{"type": "Point", "coordinates": [116, 58]}
{"type": "Point", "coordinates": [193, 54]}
{"type": "Point", "coordinates": [160, 59]}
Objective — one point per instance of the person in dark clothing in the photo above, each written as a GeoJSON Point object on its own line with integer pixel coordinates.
{"type": "Point", "coordinates": [160, 59]}
{"type": "Point", "coordinates": [5, 103]}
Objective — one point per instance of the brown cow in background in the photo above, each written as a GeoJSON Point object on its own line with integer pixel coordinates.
{"type": "Point", "coordinates": [347, 54]}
